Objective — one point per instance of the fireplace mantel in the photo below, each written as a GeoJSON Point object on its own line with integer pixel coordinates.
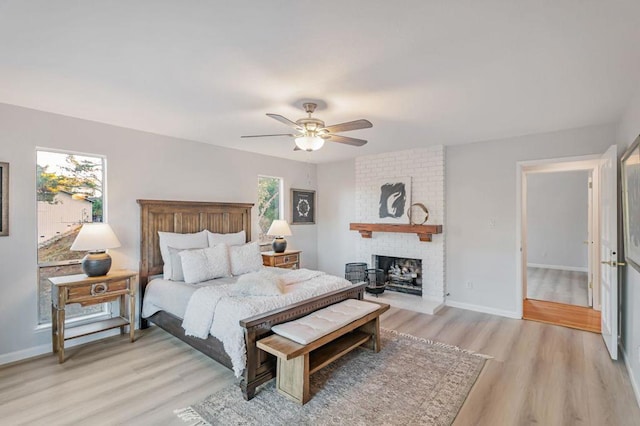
{"type": "Point", "coordinates": [424, 232]}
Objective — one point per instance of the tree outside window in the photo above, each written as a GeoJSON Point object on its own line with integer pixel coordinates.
{"type": "Point", "coordinates": [269, 204]}
{"type": "Point", "coordinates": [69, 192]}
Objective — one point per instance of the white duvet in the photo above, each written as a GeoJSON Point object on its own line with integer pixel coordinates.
{"type": "Point", "coordinates": [217, 310]}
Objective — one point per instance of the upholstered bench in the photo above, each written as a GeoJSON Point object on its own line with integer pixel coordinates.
{"type": "Point", "coordinates": [308, 344]}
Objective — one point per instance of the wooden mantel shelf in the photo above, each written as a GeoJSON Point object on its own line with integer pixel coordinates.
{"type": "Point", "coordinates": [424, 232]}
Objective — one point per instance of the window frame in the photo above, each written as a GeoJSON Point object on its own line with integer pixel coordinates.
{"type": "Point", "coordinates": [280, 206]}
{"type": "Point", "coordinates": [107, 308]}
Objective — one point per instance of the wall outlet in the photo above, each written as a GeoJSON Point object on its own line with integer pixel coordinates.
{"type": "Point", "coordinates": [469, 285]}
{"type": "Point", "coordinates": [492, 224]}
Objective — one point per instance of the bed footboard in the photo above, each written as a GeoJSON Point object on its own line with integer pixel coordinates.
{"type": "Point", "coordinates": [261, 366]}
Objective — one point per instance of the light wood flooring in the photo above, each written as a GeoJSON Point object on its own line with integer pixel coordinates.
{"type": "Point", "coordinates": [541, 374]}
{"type": "Point", "coordinates": [572, 316]}
{"type": "Point", "coordinates": [554, 285]}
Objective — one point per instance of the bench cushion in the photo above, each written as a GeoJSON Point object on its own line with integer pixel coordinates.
{"type": "Point", "coordinates": [324, 321]}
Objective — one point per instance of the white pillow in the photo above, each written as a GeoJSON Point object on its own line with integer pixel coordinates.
{"type": "Point", "coordinates": [245, 258]}
{"type": "Point", "coordinates": [235, 239]}
{"type": "Point", "coordinates": [176, 263]}
{"type": "Point", "coordinates": [263, 283]}
{"type": "Point", "coordinates": [205, 264]}
{"type": "Point", "coordinates": [179, 241]}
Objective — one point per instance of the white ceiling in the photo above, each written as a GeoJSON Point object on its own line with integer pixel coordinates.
{"type": "Point", "coordinates": [424, 72]}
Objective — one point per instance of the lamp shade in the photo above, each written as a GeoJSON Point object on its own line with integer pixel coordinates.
{"type": "Point", "coordinates": [279, 228]}
{"type": "Point", "coordinates": [309, 143]}
{"type": "Point", "coordinates": [95, 237]}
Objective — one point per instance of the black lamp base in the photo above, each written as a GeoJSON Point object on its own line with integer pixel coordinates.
{"type": "Point", "coordinates": [96, 264]}
{"type": "Point", "coordinates": [279, 245]}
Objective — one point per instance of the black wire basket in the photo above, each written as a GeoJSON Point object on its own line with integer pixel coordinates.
{"type": "Point", "coordinates": [375, 277]}
{"type": "Point", "coordinates": [355, 272]}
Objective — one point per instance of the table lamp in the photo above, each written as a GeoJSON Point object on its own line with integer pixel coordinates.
{"type": "Point", "coordinates": [279, 229]}
{"type": "Point", "coordinates": [95, 238]}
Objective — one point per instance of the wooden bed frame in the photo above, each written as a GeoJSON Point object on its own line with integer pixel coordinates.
{"type": "Point", "coordinates": [192, 216]}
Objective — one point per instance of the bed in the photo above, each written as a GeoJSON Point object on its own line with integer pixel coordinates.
{"type": "Point", "coordinates": [223, 218]}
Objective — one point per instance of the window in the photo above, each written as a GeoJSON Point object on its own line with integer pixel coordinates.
{"type": "Point", "coordinates": [270, 204]}
{"type": "Point", "coordinates": [69, 191]}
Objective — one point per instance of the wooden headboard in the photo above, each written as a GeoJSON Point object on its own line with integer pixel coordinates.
{"type": "Point", "coordinates": [184, 217]}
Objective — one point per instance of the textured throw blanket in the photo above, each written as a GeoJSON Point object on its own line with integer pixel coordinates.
{"type": "Point", "coordinates": [217, 310]}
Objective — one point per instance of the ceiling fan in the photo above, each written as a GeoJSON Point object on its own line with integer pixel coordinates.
{"type": "Point", "coordinates": [311, 133]}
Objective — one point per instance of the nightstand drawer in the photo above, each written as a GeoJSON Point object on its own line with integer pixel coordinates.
{"type": "Point", "coordinates": [284, 260]}
{"type": "Point", "coordinates": [96, 290]}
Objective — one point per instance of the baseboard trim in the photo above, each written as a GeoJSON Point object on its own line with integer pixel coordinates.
{"type": "Point", "coordinates": [483, 309]}
{"type": "Point", "coordinates": [39, 350]}
{"type": "Point", "coordinates": [634, 385]}
{"type": "Point", "coordinates": [558, 267]}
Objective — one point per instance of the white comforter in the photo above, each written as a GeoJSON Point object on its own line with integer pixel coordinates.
{"type": "Point", "coordinates": [218, 310]}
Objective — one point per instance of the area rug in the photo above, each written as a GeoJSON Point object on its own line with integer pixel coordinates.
{"type": "Point", "coordinates": [411, 381]}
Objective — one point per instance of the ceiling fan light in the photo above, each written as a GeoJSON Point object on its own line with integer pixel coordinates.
{"type": "Point", "coordinates": [309, 143]}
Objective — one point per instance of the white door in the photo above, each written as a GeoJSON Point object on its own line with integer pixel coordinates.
{"type": "Point", "coordinates": [609, 249]}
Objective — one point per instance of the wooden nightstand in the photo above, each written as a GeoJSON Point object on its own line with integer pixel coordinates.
{"type": "Point", "coordinates": [91, 291]}
{"type": "Point", "coordinates": [290, 259]}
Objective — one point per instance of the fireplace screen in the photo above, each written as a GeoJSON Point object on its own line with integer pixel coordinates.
{"type": "Point", "coordinates": [401, 274]}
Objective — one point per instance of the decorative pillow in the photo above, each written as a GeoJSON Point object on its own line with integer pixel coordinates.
{"type": "Point", "coordinates": [235, 239]}
{"type": "Point", "coordinates": [179, 241]}
{"type": "Point", "coordinates": [263, 283]}
{"type": "Point", "coordinates": [245, 258]}
{"type": "Point", "coordinates": [176, 263]}
{"type": "Point", "coordinates": [205, 264]}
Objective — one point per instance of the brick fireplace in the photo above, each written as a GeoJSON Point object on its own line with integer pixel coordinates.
{"type": "Point", "coordinates": [425, 166]}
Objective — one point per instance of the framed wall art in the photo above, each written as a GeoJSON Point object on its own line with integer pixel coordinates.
{"type": "Point", "coordinates": [394, 200]}
{"type": "Point", "coordinates": [303, 207]}
{"type": "Point", "coordinates": [4, 199]}
{"type": "Point", "coordinates": [631, 203]}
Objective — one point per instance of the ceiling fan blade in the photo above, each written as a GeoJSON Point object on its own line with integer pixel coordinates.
{"type": "Point", "coordinates": [264, 136]}
{"type": "Point", "coordinates": [350, 125]}
{"type": "Point", "coordinates": [286, 121]}
{"type": "Point", "coordinates": [347, 140]}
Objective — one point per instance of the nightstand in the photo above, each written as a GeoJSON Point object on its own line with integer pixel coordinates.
{"type": "Point", "coordinates": [290, 259]}
{"type": "Point", "coordinates": [91, 291]}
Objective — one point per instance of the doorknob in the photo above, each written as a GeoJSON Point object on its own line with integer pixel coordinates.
{"type": "Point", "coordinates": [613, 263]}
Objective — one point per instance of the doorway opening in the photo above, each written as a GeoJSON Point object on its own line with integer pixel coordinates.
{"type": "Point", "coordinates": [559, 260]}
{"type": "Point", "coordinates": [558, 237]}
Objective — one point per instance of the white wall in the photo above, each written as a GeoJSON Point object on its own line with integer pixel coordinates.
{"type": "Point", "coordinates": [627, 132]}
{"type": "Point", "coordinates": [481, 210]}
{"type": "Point", "coordinates": [557, 219]}
{"type": "Point", "coordinates": [139, 165]}
{"type": "Point", "coordinates": [336, 210]}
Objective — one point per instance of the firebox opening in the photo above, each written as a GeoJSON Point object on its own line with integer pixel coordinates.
{"type": "Point", "coordinates": [403, 275]}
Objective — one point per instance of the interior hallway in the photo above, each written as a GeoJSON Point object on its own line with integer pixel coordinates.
{"type": "Point", "coordinates": [553, 285]}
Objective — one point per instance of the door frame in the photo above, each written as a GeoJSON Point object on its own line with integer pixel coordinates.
{"type": "Point", "coordinates": [562, 164]}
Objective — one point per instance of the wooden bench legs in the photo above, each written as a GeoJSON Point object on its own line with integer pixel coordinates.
{"type": "Point", "coordinates": [372, 328]}
{"type": "Point", "coordinates": [293, 378]}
